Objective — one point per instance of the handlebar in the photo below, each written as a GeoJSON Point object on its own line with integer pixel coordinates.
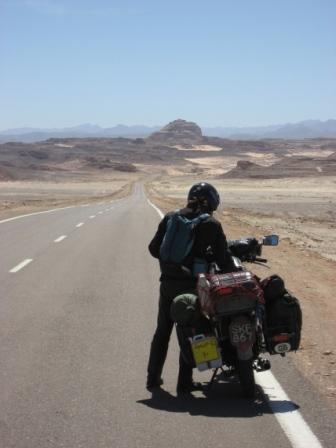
{"type": "Point", "coordinates": [260, 260]}
{"type": "Point", "coordinates": [250, 249]}
{"type": "Point", "coordinates": [250, 258]}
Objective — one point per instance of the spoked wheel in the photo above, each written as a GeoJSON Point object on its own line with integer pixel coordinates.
{"type": "Point", "coordinates": [246, 377]}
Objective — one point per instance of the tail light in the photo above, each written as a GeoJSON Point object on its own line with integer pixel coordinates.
{"type": "Point", "coordinates": [283, 337]}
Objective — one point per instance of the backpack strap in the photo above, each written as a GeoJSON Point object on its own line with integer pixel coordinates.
{"type": "Point", "coordinates": [201, 218]}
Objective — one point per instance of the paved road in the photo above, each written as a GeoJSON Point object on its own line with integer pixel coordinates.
{"type": "Point", "coordinates": [75, 328]}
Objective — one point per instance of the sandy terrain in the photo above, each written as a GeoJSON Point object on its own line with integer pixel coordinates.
{"type": "Point", "coordinates": [264, 159]}
{"type": "Point", "coordinates": [214, 166]}
{"type": "Point", "coordinates": [311, 153]}
{"type": "Point", "coordinates": [204, 148]}
{"type": "Point", "coordinates": [63, 145]}
{"type": "Point", "coordinates": [18, 198]}
{"type": "Point", "coordinates": [302, 212]}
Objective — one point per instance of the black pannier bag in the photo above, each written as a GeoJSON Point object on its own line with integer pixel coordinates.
{"type": "Point", "coordinates": [283, 324]}
{"type": "Point", "coordinates": [273, 287]}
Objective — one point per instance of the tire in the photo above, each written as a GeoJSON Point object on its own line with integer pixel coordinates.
{"type": "Point", "coordinates": [246, 378]}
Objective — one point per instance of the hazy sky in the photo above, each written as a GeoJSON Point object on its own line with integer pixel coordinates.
{"type": "Point", "coordinates": [216, 62]}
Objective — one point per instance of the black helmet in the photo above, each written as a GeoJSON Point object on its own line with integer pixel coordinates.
{"type": "Point", "coordinates": [203, 190]}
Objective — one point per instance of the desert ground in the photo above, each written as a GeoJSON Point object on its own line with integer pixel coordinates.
{"type": "Point", "coordinates": [302, 212]}
{"type": "Point", "coordinates": [283, 187]}
{"type": "Point", "coordinates": [23, 197]}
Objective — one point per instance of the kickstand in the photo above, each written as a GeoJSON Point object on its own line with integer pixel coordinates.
{"type": "Point", "coordinates": [214, 375]}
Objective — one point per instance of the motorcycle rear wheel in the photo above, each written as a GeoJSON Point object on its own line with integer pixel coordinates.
{"type": "Point", "coordinates": [246, 377]}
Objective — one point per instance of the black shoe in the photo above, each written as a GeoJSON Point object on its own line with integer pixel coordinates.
{"type": "Point", "coordinates": [188, 388]}
{"type": "Point", "coordinates": [153, 383]}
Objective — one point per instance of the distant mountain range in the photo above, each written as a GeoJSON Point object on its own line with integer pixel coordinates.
{"type": "Point", "coordinates": [301, 130]}
{"type": "Point", "coordinates": [86, 130]}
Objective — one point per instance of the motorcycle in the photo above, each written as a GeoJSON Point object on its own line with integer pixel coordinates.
{"type": "Point", "coordinates": [230, 335]}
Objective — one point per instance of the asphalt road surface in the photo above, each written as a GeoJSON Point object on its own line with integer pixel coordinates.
{"type": "Point", "coordinates": [78, 303]}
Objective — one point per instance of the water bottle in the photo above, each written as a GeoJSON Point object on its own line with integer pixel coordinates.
{"type": "Point", "coordinates": [203, 289]}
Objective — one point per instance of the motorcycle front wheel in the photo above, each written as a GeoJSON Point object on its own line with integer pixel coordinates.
{"type": "Point", "coordinates": [246, 377]}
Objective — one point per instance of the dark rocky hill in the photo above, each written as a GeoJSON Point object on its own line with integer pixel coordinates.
{"type": "Point", "coordinates": [178, 132]}
{"type": "Point", "coordinates": [287, 167]}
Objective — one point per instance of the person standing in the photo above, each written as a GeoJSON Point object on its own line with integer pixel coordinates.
{"type": "Point", "coordinates": [176, 279]}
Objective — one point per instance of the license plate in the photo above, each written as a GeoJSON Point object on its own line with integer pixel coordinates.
{"type": "Point", "coordinates": [205, 350]}
{"type": "Point", "coordinates": [241, 332]}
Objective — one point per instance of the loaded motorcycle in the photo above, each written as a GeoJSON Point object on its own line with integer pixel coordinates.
{"type": "Point", "coordinates": [236, 317]}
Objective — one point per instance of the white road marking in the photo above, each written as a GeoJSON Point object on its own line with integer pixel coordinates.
{"type": "Point", "coordinates": [80, 224]}
{"type": "Point", "coordinates": [107, 209]}
{"type": "Point", "coordinates": [92, 216]}
{"type": "Point", "coordinates": [290, 419]}
{"type": "Point", "coordinates": [21, 265]}
{"type": "Point", "coordinates": [156, 208]}
{"type": "Point", "coordinates": [60, 238]}
{"type": "Point", "coordinates": [37, 213]}
{"type": "Point", "coordinates": [100, 213]}
{"type": "Point", "coordinates": [50, 211]}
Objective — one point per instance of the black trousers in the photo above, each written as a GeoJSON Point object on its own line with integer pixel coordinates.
{"type": "Point", "coordinates": [169, 289]}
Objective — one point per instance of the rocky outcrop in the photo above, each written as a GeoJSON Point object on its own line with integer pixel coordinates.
{"type": "Point", "coordinates": [287, 167]}
{"type": "Point", "coordinates": [102, 164]}
{"type": "Point", "coordinates": [178, 132]}
{"type": "Point", "coordinates": [245, 169]}
{"type": "Point", "coordinates": [5, 174]}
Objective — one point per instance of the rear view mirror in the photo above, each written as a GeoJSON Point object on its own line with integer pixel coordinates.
{"type": "Point", "coordinates": [271, 240]}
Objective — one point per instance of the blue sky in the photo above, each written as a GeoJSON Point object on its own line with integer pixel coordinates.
{"type": "Point", "coordinates": [216, 62]}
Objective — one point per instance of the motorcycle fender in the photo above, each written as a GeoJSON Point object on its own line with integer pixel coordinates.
{"type": "Point", "coordinates": [242, 336]}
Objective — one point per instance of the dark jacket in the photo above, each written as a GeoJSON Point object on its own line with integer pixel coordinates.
{"type": "Point", "coordinates": [210, 243]}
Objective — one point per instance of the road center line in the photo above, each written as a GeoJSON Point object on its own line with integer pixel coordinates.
{"type": "Point", "coordinates": [37, 213]}
{"type": "Point", "coordinates": [80, 224]}
{"type": "Point", "coordinates": [290, 419]}
{"type": "Point", "coordinates": [100, 213]}
{"type": "Point", "coordinates": [92, 216]}
{"type": "Point", "coordinates": [60, 238]}
{"type": "Point", "coordinates": [21, 265]}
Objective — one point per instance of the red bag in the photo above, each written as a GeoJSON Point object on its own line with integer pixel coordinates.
{"type": "Point", "coordinates": [232, 293]}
